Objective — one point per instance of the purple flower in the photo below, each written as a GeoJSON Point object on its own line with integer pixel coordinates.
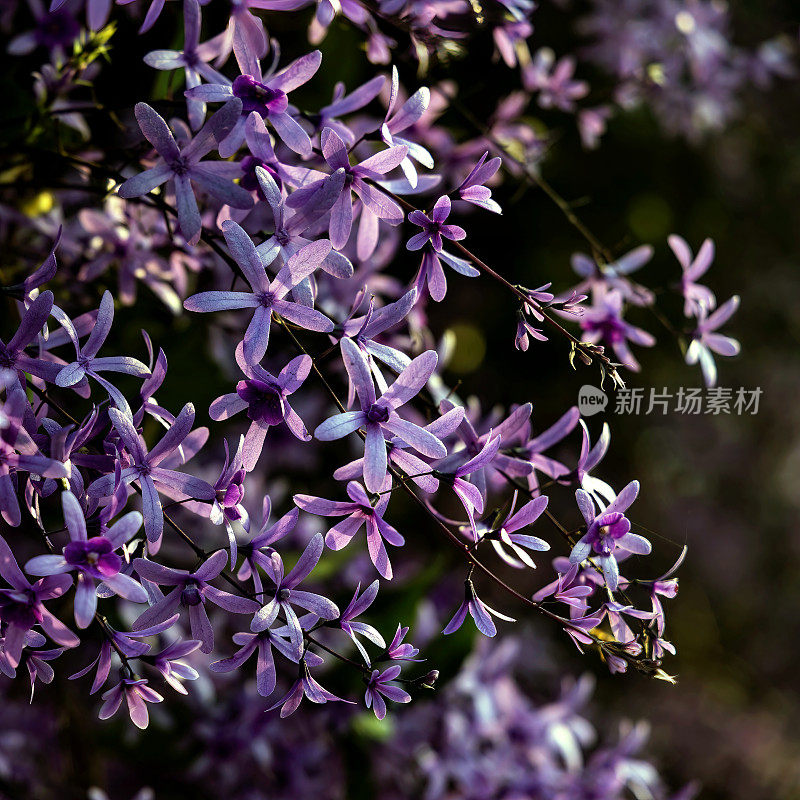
{"type": "Point", "coordinates": [22, 606]}
{"type": "Point", "coordinates": [535, 447]}
{"type": "Point", "coordinates": [613, 276]}
{"type": "Point", "coordinates": [553, 80]}
{"type": "Point", "coordinates": [137, 694]}
{"type": "Point", "coordinates": [258, 551]}
{"type": "Point", "coordinates": [265, 398]}
{"type": "Point", "coordinates": [288, 239]}
{"type": "Point", "coordinates": [402, 118]}
{"type": "Point", "coordinates": [479, 612]}
{"type": "Point", "coordinates": [472, 189]}
{"type": "Point", "coordinates": [261, 643]}
{"type": "Point", "coordinates": [266, 297]}
{"type": "Point", "coordinates": [379, 686]}
{"type": "Point", "coordinates": [504, 537]}
{"type": "Point", "coordinates": [228, 506]}
{"type": "Point", "coordinates": [706, 341]}
{"type": "Point", "coordinates": [470, 495]}
{"type": "Point", "coordinates": [287, 594]}
{"type": "Point", "coordinates": [433, 227]}
{"type": "Point", "coordinates": [193, 59]}
{"type": "Point", "coordinates": [375, 204]}
{"type": "Point", "coordinates": [304, 686]}
{"type": "Point", "coordinates": [182, 165]}
{"type": "Point", "coordinates": [356, 607]}
{"type": "Point", "coordinates": [379, 416]}
{"type": "Point", "coordinates": [87, 362]}
{"type": "Point", "coordinates": [604, 321]}
{"type": "Point", "coordinates": [359, 512]}
{"type": "Point", "coordinates": [93, 559]}
{"type": "Point", "coordinates": [19, 453]}
{"type": "Point", "coordinates": [13, 355]}
{"type": "Point", "coordinates": [400, 651]}
{"type": "Point", "coordinates": [173, 670]}
{"type": "Point", "coordinates": [607, 531]}
{"type": "Point", "coordinates": [192, 590]}
{"type": "Point", "coordinates": [145, 469]}
{"type": "Point", "coordinates": [698, 299]}
{"type": "Point", "coordinates": [432, 275]}
{"type": "Point", "coordinates": [266, 97]}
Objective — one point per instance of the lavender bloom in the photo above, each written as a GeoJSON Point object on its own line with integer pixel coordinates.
{"type": "Point", "coordinates": [570, 588]}
{"type": "Point", "coordinates": [146, 470]}
{"type": "Point", "coordinates": [22, 607]}
{"type": "Point", "coordinates": [359, 512]}
{"type": "Point", "coordinates": [399, 650]}
{"type": "Point", "coordinates": [137, 694]}
{"type": "Point", "coordinates": [698, 299]}
{"type": "Point", "coordinates": [348, 103]}
{"type": "Point", "coordinates": [192, 590]}
{"type": "Point", "coordinates": [504, 537]}
{"type": "Point", "coordinates": [535, 446]}
{"type": "Point", "coordinates": [607, 531]}
{"type": "Point", "coordinates": [288, 239]}
{"type": "Point", "coordinates": [228, 507]}
{"type": "Point", "coordinates": [87, 362]}
{"type": "Point", "coordinates": [433, 227]}
{"type": "Point", "coordinates": [129, 645]}
{"type": "Point", "coordinates": [604, 321]}
{"type": "Point", "coordinates": [258, 551]}
{"type": "Point", "coordinates": [356, 607]}
{"type": "Point", "coordinates": [553, 80]}
{"type": "Point", "coordinates": [93, 559]}
{"type": "Point", "coordinates": [182, 165]}
{"type": "Point", "coordinates": [264, 96]}
{"type": "Point", "coordinates": [13, 355]}
{"type": "Point", "coordinates": [375, 205]}
{"type": "Point", "coordinates": [432, 275]}
{"type": "Point", "coordinates": [266, 399]}
{"type": "Point", "coordinates": [506, 431]}
{"type": "Point", "coordinates": [472, 188]}
{"type": "Point", "coordinates": [589, 458]}
{"type": "Point", "coordinates": [379, 416]}
{"type": "Point", "coordinates": [421, 473]}
{"type": "Point", "coordinates": [478, 610]}
{"type": "Point", "coordinates": [261, 643]}
{"type": "Point", "coordinates": [287, 594]}
{"type": "Point", "coordinates": [403, 118]}
{"type": "Point", "coordinates": [380, 686]}
{"type": "Point", "coordinates": [613, 277]}
{"type": "Point", "coordinates": [705, 340]}
{"type": "Point", "coordinates": [468, 493]}
{"type": "Point", "coordinates": [193, 59]}
{"type": "Point", "coordinates": [304, 686]}
{"type": "Point", "coordinates": [172, 669]}
{"type": "Point", "coordinates": [19, 453]}
{"type": "Point", "coordinates": [364, 330]}
{"type": "Point", "coordinates": [266, 297]}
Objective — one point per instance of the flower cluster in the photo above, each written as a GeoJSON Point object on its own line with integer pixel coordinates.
{"type": "Point", "coordinates": [283, 234]}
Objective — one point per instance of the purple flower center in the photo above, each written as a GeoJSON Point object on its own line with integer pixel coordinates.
{"type": "Point", "coordinates": [606, 529]}
{"type": "Point", "coordinates": [190, 595]}
{"type": "Point", "coordinates": [264, 401]}
{"type": "Point", "coordinates": [7, 358]}
{"type": "Point", "coordinates": [257, 96]}
{"type": "Point", "coordinates": [249, 181]}
{"type": "Point", "coordinates": [57, 28]}
{"type": "Point", "coordinates": [94, 556]}
{"type": "Point", "coordinates": [378, 413]}
{"type": "Point", "coordinates": [611, 328]}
